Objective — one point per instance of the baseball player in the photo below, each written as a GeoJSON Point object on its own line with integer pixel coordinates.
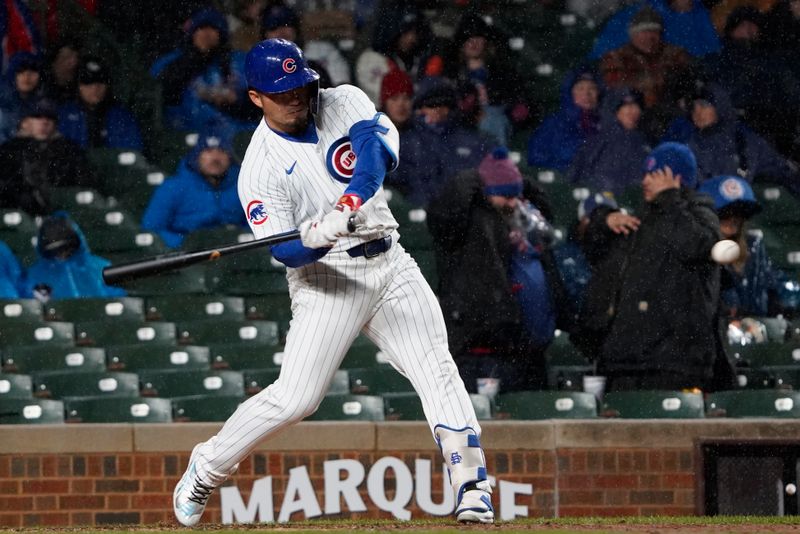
{"type": "Point", "coordinates": [317, 159]}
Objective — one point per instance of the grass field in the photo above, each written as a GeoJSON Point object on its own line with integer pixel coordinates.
{"type": "Point", "coordinates": [693, 525]}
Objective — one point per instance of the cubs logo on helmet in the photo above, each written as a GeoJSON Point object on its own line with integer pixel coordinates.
{"type": "Point", "coordinates": [341, 160]}
{"type": "Point", "coordinates": [256, 212]}
{"type": "Point", "coordinates": [289, 65]}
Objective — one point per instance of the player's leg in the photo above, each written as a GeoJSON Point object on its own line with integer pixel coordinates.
{"type": "Point", "coordinates": [326, 319]}
{"type": "Point", "coordinates": [408, 325]}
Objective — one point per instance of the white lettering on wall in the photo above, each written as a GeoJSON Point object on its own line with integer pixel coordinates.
{"type": "Point", "coordinates": [258, 510]}
{"type": "Point", "coordinates": [404, 486]}
{"type": "Point", "coordinates": [299, 496]}
{"type": "Point", "coordinates": [346, 487]}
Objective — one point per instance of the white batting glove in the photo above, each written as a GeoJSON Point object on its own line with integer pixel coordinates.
{"type": "Point", "coordinates": [324, 233]}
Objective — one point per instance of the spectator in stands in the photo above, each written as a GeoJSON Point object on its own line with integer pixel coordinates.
{"type": "Point", "coordinates": [555, 143]}
{"type": "Point", "coordinates": [645, 64]}
{"type": "Point", "coordinates": [723, 145]}
{"type": "Point", "coordinates": [65, 267]}
{"type": "Point", "coordinates": [687, 24]}
{"type": "Point", "coordinates": [652, 300]}
{"type": "Point", "coordinates": [245, 23]}
{"type": "Point", "coordinates": [203, 81]}
{"type": "Point", "coordinates": [22, 90]}
{"type": "Point", "coordinates": [573, 267]}
{"type": "Point", "coordinates": [282, 22]}
{"type": "Point", "coordinates": [498, 286]}
{"type": "Point", "coordinates": [37, 159]}
{"type": "Point", "coordinates": [397, 94]}
{"type": "Point", "coordinates": [435, 146]}
{"type": "Point", "coordinates": [722, 9]}
{"type": "Point", "coordinates": [11, 286]}
{"type": "Point", "coordinates": [202, 194]}
{"type": "Point", "coordinates": [402, 40]}
{"type": "Point", "coordinates": [751, 285]}
{"type": "Point", "coordinates": [609, 160]}
{"type": "Point", "coordinates": [781, 29]}
{"type": "Point", "coordinates": [757, 78]}
{"type": "Point", "coordinates": [61, 77]}
{"type": "Point", "coordinates": [480, 58]}
{"type": "Point", "coordinates": [94, 120]}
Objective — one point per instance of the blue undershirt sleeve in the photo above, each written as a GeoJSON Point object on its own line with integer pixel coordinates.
{"type": "Point", "coordinates": [294, 254]}
{"type": "Point", "coordinates": [373, 158]}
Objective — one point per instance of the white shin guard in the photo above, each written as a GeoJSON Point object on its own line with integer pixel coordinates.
{"type": "Point", "coordinates": [463, 455]}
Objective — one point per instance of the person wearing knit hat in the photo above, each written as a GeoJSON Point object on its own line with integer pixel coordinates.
{"type": "Point", "coordinates": [669, 166]}
{"type": "Point", "coordinates": [397, 92]}
{"type": "Point", "coordinates": [647, 19]}
{"type": "Point", "coordinates": [499, 289]}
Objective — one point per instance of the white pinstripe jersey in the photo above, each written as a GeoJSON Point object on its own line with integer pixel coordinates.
{"type": "Point", "coordinates": [284, 182]}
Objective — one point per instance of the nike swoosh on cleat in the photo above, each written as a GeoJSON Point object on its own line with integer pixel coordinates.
{"type": "Point", "coordinates": [290, 170]}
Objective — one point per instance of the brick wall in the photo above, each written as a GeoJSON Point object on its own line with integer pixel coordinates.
{"type": "Point", "coordinates": [624, 469]}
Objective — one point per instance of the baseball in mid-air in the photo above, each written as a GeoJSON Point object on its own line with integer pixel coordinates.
{"type": "Point", "coordinates": [725, 251]}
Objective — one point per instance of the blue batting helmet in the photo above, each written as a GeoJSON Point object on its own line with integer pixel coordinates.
{"type": "Point", "coordinates": [276, 66]}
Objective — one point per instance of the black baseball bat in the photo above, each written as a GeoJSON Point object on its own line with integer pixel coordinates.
{"type": "Point", "coordinates": [118, 274]}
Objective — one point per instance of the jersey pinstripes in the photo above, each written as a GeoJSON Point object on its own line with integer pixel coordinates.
{"type": "Point", "coordinates": [337, 298]}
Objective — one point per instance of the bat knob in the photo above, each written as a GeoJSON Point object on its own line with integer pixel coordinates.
{"type": "Point", "coordinates": [351, 223]}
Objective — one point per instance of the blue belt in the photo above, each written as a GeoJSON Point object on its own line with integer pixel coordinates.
{"type": "Point", "coordinates": [370, 249]}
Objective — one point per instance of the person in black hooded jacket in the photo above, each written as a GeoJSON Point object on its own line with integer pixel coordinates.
{"type": "Point", "coordinates": [650, 313]}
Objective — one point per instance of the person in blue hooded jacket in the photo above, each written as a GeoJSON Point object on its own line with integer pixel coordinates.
{"type": "Point", "coordinates": [723, 145]}
{"type": "Point", "coordinates": [609, 161]}
{"type": "Point", "coordinates": [10, 274]}
{"type": "Point", "coordinates": [65, 268]}
{"type": "Point", "coordinates": [94, 120]}
{"type": "Point", "coordinates": [202, 194]}
{"type": "Point", "coordinates": [203, 80]}
{"type": "Point", "coordinates": [751, 285]}
{"type": "Point", "coordinates": [556, 141]}
{"type": "Point", "coordinates": [20, 92]}
{"type": "Point", "coordinates": [435, 146]}
{"type": "Point", "coordinates": [687, 24]}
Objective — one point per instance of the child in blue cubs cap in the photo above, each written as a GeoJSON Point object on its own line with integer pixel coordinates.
{"type": "Point", "coordinates": [751, 285]}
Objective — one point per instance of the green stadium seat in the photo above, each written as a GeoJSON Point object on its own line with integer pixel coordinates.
{"type": "Point", "coordinates": [94, 309]}
{"type": "Point", "coordinates": [349, 408]}
{"type": "Point", "coordinates": [31, 411]}
{"type": "Point", "coordinates": [414, 233]}
{"type": "Point", "coordinates": [194, 307]}
{"type": "Point", "coordinates": [749, 378]}
{"type": "Point", "coordinates": [562, 352]}
{"type": "Point", "coordinates": [75, 199]}
{"type": "Point", "coordinates": [783, 245]}
{"type": "Point", "coordinates": [34, 359]}
{"type": "Point", "coordinates": [784, 376]}
{"type": "Point", "coordinates": [363, 353]}
{"type": "Point", "coordinates": [140, 357]}
{"type": "Point", "coordinates": [755, 403]}
{"type": "Point", "coordinates": [118, 410]}
{"type": "Point", "coordinates": [99, 221]}
{"type": "Point", "coordinates": [239, 356]}
{"type": "Point", "coordinates": [340, 383]}
{"type": "Point", "coordinates": [12, 310]}
{"type": "Point", "coordinates": [546, 405]}
{"type": "Point", "coordinates": [14, 220]}
{"type": "Point", "coordinates": [14, 386]}
{"type": "Point", "coordinates": [38, 333]}
{"type": "Point", "coordinates": [120, 243]}
{"type": "Point", "coordinates": [232, 282]}
{"type": "Point", "coordinates": [188, 280]}
{"type": "Point", "coordinates": [564, 199]}
{"type": "Point", "coordinates": [275, 307]}
{"type": "Point", "coordinates": [61, 384]}
{"type": "Point", "coordinates": [124, 332]}
{"type": "Point", "coordinates": [213, 331]}
{"type": "Point", "coordinates": [169, 383]}
{"type": "Point", "coordinates": [222, 235]}
{"type": "Point", "coordinates": [778, 206]}
{"type": "Point", "coordinates": [653, 405]}
{"type": "Point", "coordinates": [18, 230]}
{"type": "Point", "coordinates": [408, 407]}
{"type": "Point", "coordinates": [378, 380]}
{"type": "Point", "coordinates": [768, 354]}
{"type": "Point", "coordinates": [202, 408]}
{"type": "Point", "coordinates": [257, 379]}
{"type": "Point", "coordinates": [567, 377]}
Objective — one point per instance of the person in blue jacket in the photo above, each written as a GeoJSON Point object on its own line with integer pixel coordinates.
{"type": "Point", "coordinates": [687, 24]}
{"type": "Point", "coordinates": [10, 274]}
{"type": "Point", "coordinates": [751, 285]}
{"type": "Point", "coordinates": [435, 146]}
{"type": "Point", "coordinates": [65, 268]}
{"type": "Point", "coordinates": [20, 92]}
{"type": "Point", "coordinates": [93, 119]}
{"type": "Point", "coordinates": [203, 82]}
{"type": "Point", "coordinates": [609, 161]}
{"type": "Point", "coordinates": [202, 194]}
{"type": "Point", "coordinates": [556, 141]}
